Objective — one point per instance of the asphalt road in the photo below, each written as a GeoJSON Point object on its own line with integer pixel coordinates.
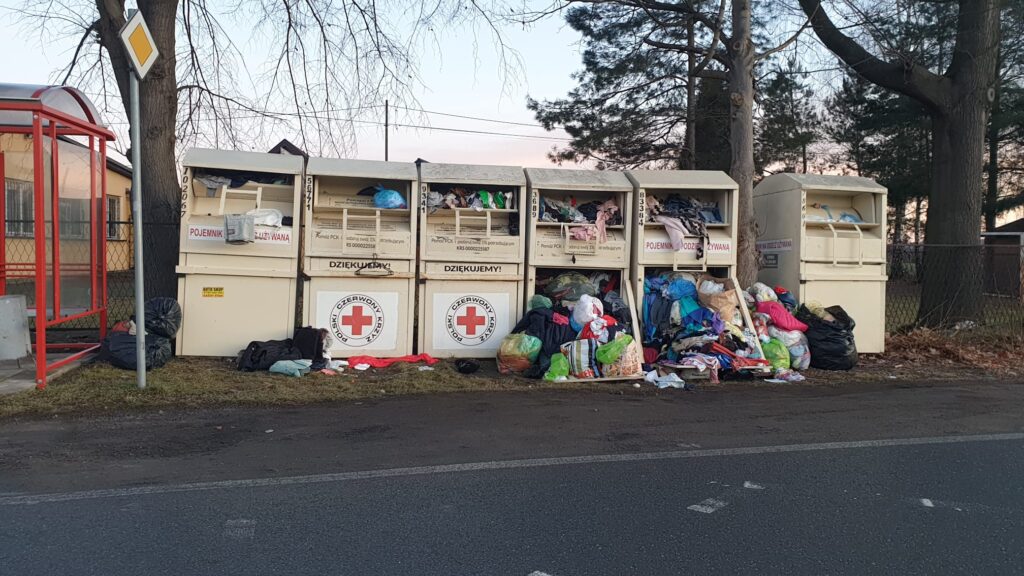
{"type": "Point", "coordinates": [726, 484]}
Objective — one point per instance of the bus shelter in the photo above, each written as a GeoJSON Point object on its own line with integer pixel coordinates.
{"type": "Point", "coordinates": [54, 246]}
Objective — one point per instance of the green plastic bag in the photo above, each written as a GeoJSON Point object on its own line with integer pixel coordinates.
{"type": "Point", "coordinates": [517, 353]}
{"type": "Point", "coordinates": [610, 352]}
{"type": "Point", "coordinates": [776, 353]}
{"type": "Point", "coordinates": [539, 301]}
{"type": "Point", "coordinates": [559, 369]}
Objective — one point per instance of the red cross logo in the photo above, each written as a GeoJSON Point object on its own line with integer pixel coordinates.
{"type": "Point", "coordinates": [471, 321]}
{"type": "Point", "coordinates": [357, 320]}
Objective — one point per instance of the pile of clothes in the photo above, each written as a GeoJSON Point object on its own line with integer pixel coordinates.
{"type": "Point", "coordinates": [307, 351]}
{"type": "Point", "coordinates": [694, 322]}
{"type": "Point", "coordinates": [594, 217]}
{"type": "Point", "coordinates": [683, 217]}
{"type": "Point", "coordinates": [578, 328]}
{"type": "Point", "coordinates": [458, 197]}
{"type": "Point", "coordinates": [782, 334]}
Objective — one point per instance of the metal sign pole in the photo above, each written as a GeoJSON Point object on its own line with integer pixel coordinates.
{"type": "Point", "coordinates": [140, 310]}
{"type": "Point", "coordinates": [141, 50]}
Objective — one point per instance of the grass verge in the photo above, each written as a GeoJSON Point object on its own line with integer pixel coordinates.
{"type": "Point", "coordinates": [208, 382]}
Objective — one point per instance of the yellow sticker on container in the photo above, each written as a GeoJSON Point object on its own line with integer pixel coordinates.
{"type": "Point", "coordinates": [213, 292]}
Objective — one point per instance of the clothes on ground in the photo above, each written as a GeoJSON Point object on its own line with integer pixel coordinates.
{"type": "Point", "coordinates": [294, 368]}
{"type": "Point", "coordinates": [375, 362]}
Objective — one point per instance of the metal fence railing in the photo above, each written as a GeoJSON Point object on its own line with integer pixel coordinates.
{"type": "Point", "coordinates": [1001, 308]}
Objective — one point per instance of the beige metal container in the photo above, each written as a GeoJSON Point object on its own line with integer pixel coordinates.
{"type": "Point", "coordinates": [472, 263]}
{"type": "Point", "coordinates": [652, 250]}
{"type": "Point", "coordinates": [359, 260]}
{"type": "Point", "coordinates": [231, 294]}
{"type": "Point", "coordinates": [823, 238]}
{"type": "Point", "coordinates": [552, 246]}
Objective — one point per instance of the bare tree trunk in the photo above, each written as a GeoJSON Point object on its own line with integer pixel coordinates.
{"type": "Point", "coordinates": [158, 100]}
{"type": "Point", "coordinates": [689, 158]}
{"type": "Point", "coordinates": [741, 139]}
{"type": "Point", "coordinates": [992, 192]}
{"type": "Point", "coordinates": [917, 220]}
{"type": "Point", "coordinates": [899, 218]}
{"type": "Point", "coordinates": [952, 261]}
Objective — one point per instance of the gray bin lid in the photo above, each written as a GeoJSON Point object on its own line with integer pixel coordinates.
{"type": "Point", "coordinates": [559, 179]}
{"type": "Point", "coordinates": [245, 161]}
{"type": "Point", "coordinates": [372, 169]}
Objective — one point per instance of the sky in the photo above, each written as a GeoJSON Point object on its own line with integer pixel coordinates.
{"type": "Point", "coordinates": [456, 79]}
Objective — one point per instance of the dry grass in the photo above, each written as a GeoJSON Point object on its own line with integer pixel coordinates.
{"type": "Point", "coordinates": [204, 382]}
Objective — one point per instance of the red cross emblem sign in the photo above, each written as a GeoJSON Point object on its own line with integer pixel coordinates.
{"type": "Point", "coordinates": [471, 320]}
{"type": "Point", "coordinates": [357, 320]}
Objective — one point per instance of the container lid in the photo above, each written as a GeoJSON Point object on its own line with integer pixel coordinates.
{"type": "Point", "coordinates": [246, 161]}
{"type": "Point", "coordinates": [676, 179]}
{"type": "Point", "coordinates": [790, 181]}
{"type": "Point", "coordinates": [373, 169]}
{"type": "Point", "coordinates": [559, 179]}
{"type": "Point", "coordinates": [472, 174]}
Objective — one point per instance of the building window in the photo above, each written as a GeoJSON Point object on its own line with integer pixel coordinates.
{"type": "Point", "coordinates": [74, 219]}
{"type": "Point", "coordinates": [114, 218]}
{"type": "Point", "coordinates": [19, 216]}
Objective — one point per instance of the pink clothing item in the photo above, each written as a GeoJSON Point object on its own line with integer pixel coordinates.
{"type": "Point", "coordinates": [604, 214]}
{"type": "Point", "coordinates": [780, 316]}
{"type": "Point", "coordinates": [560, 319]}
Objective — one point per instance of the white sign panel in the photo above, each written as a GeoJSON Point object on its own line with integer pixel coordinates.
{"type": "Point", "coordinates": [359, 321]}
{"type": "Point", "coordinates": [690, 245]}
{"type": "Point", "coordinates": [263, 235]}
{"type": "Point", "coordinates": [774, 246]}
{"type": "Point", "coordinates": [477, 321]}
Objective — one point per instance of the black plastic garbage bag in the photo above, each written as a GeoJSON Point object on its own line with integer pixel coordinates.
{"type": "Point", "coordinates": [259, 356]}
{"type": "Point", "coordinates": [832, 345]}
{"type": "Point", "coordinates": [119, 350]}
{"type": "Point", "coordinates": [163, 317]}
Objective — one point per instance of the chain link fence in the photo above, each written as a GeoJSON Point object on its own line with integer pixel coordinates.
{"type": "Point", "coordinates": [76, 288]}
{"type": "Point", "coordinates": [1001, 266]}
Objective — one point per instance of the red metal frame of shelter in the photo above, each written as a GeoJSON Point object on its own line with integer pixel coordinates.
{"type": "Point", "coordinates": [51, 123]}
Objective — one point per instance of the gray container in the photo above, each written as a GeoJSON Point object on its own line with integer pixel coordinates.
{"type": "Point", "coordinates": [15, 342]}
{"type": "Point", "coordinates": [239, 228]}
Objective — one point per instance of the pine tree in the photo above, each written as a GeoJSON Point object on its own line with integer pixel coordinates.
{"type": "Point", "coordinates": [789, 121]}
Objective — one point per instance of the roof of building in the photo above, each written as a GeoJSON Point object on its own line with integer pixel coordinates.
{"type": "Point", "coordinates": [1015, 226]}
{"type": "Point", "coordinates": [286, 147]}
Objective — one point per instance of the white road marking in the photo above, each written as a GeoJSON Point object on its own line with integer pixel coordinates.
{"type": "Point", "coordinates": [240, 529]}
{"type": "Point", "coordinates": [494, 465]}
{"type": "Point", "coordinates": [538, 573]}
{"type": "Point", "coordinates": [750, 485]}
{"type": "Point", "coordinates": [708, 506]}
{"type": "Point", "coordinates": [927, 503]}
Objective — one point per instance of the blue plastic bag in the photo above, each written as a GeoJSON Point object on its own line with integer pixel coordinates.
{"type": "Point", "coordinates": [388, 199]}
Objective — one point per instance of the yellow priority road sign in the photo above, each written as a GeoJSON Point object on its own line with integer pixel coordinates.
{"type": "Point", "coordinates": [139, 44]}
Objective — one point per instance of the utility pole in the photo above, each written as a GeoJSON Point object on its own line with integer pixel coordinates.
{"type": "Point", "coordinates": [386, 129]}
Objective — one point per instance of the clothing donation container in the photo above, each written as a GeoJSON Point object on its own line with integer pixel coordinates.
{"type": "Point", "coordinates": [686, 223]}
{"type": "Point", "coordinates": [359, 255]}
{"type": "Point", "coordinates": [580, 221]}
{"type": "Point", "coordinates": [472, 261]}
{"type": "Point", "coordinates": [823, 238]}
{"type": "Point", "coordinates": [239, 249]}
